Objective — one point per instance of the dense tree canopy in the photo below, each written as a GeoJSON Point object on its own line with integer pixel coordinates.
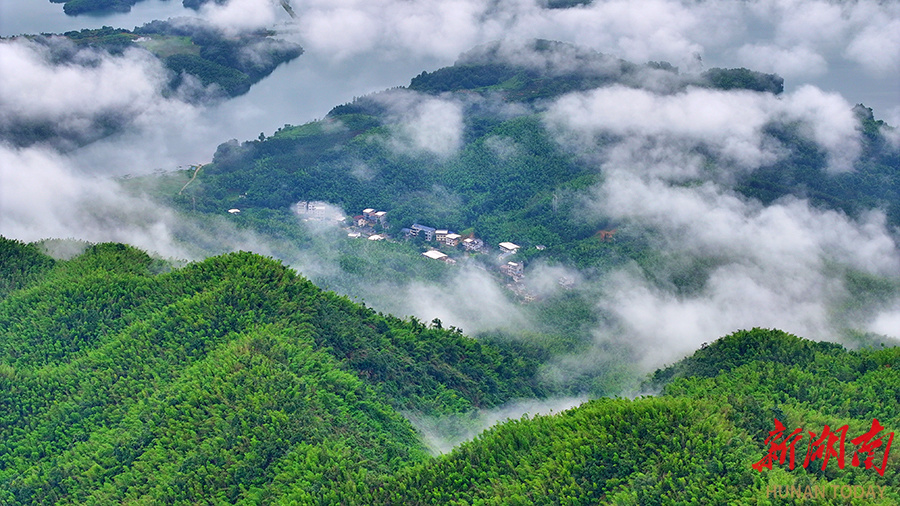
{"type": "Point", "coordinates": [234, 380]}
{"type": "Point", "coordinates": [219, 379]}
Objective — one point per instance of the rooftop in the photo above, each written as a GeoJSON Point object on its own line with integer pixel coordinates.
{"type": "Point", "coordinates": [435, 254]}
{"type": "Point", "coordinates": [417, 226]}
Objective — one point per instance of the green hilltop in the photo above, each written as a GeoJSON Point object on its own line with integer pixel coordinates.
{"type": "Point", "coordinates": [229, 379]}
{"type": "Point", "coordinates": [510, 178]}
{"type": "Point", "coordinates": [235, 380]}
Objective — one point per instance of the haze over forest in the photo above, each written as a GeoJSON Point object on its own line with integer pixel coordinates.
{"type": "Point", "coordinates": [691, 185]}
{"type": "Point", "coordinates": [773, 263]}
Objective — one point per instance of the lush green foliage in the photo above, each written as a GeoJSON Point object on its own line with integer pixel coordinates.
{"type": "Point", "coordinates": [529, 195]}
{"type": "Point", "coordinates": [20, 265]}
{"type": "Point", "coordinates": [510, 179]}
{"type": "Point", "coordinates": [695, 444]}
{"type": "Point", "coordinates": [198, 50]}
{"type": "Point", "coordinates": [76, 7]}
{"type": "Point", "coordinates": [744, 347]}
{"type": "Point", "coordinates": [234, 380]}
{"type": "Point", "coordinates": [112, 39]}
{"type": "Point", "coordinates": [232, 81]}
{"type": "Point", "coordinates": [743, 79]}
{"type": "Point", "coordinates": [230, 379]}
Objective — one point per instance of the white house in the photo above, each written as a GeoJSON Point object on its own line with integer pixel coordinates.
{"type": "Point", "coordinates": [514, 269]}
{"type": "Point", "coordinates": [317, 210]}
{"type": "Point", "coordinates": [435, 255]}
{"type": "Point", "coordinates": [451, 239]}
{"type": "Point", "coordinates": [508, 247]}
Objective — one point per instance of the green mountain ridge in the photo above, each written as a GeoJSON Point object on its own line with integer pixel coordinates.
{"type": "Point", "coordinates": [234, 380]}
{"type": "Point", "coordinates": [509, 176]}
{"type": "Point", "coordinates": [126, 378]}
{"type": "Point", "coordinates": [212, 378]}
{"type": "Point", "coordinates": [510, 179]}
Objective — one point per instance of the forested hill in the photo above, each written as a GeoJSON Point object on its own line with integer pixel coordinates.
{"type": "Point", "coordinates": [231, 62]}
{"type": "Point", "coordinates": [469, 148]}
{"type": "Point", "coordinates": [235, 380]}
{"type": "Point", "coordinates": [696, 443]}
{"type": "Point", "coordinates": [550, 68]}
{"type": "Point", "coordinates": [229, 379]}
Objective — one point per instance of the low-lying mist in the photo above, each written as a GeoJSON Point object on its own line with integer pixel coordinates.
{"type": "Point", "coordinates": [717, 260]}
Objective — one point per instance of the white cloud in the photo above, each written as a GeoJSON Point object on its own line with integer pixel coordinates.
{"type": "Point", "coordinates": [877, 47]}
{"type": "Point", "coordinates": [41, 196]}
{"type": "Point", "coordinates": [731, 122]}
{"type": "Point", "coordinates": [78, 98]}
{"type": "Point", "coordinates": [425, 124]}
{"type": "Point", "coordinates": [829, 119]}
{"type": "Point", "coordinates": [474, 301]}
{"type": "Point", "coordinates": [792, 63]}
{"type": "Point", "coordinates": [241, 15]}
{"type": "Point", "coordinates": [887, 323]}
{"type": "Point", "coordinates": [44, 195]}
{"type": "Point", "coordinates": [768, 266]}
{"type": "Point", "coordinates": [442, 434]}
{"type": "Point", "coordinates": [659, 29]}
{"type": "Point", "coordinates": [419, 27]}
{"type": "Point", "coordinates": [772, 266]}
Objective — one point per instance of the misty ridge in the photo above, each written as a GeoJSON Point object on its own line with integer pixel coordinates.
{"type": "Point", "coordinates": [735, 203]}
{"type": "Point", "coordinates": [678, 170]}
{"type": "Point", "coordinates": [669, 159]}
{"type": "Point", "coordinates": [669, 174]}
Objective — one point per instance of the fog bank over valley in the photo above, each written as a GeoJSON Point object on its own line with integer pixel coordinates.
{"type": "Point", "coordinates": [667, 157]}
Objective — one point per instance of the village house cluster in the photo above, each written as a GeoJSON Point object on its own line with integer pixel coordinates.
{"type": "Point", "coordinates": [515, 270]}
{"type": "Point", "coordinates": [370, 217]}
{"type": "Point", "coordinates": [443, 236]}
{"type": "Point", "coordinates": [372, 225]}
